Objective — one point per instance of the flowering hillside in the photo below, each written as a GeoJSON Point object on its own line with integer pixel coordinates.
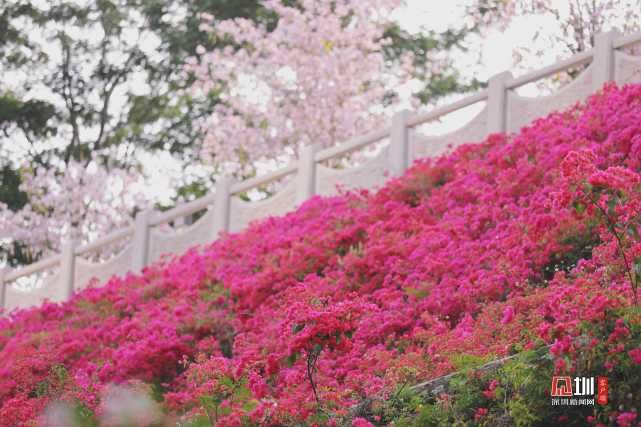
{"type": "Point", "coordinates": [501, 247]}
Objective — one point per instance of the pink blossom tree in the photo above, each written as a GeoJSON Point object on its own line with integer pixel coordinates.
{"type": "Point", "coordinates": [318, 72]}
{"type": "Point", "coordinates": [318, 77]}
{"type": "Point", "coordinates": [79, 202]}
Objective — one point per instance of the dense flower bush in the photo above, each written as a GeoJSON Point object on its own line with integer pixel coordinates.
{"type": "Point", "coordinates": [518, 391]}
{"type": "Point", "coordinates": [500, 247]}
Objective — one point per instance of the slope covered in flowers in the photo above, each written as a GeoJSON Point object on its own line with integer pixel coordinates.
{"type": "Point", "coordinates": [502, 246]}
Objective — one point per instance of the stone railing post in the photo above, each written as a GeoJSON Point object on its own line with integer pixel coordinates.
{"type": "Point", "coordinates": [3, 289]}
{"type": "Point", "coordinates": [140, 252]}
{"type": "Point", "coordinates": [497, 102]}
{"type": "Point", "coordinates": [603, 59]}
{"type": "Point", "coordinates": [222, 205]}
{"type": "Point", "coordinates": [68, 268]}
{"type": "Point", "coordinates": [184, 221]}
{"type": "Point", "coordinates": [180, 222]}
{"type": "Point", "coordinates": [306, 176]}
{"type": "Point", "coordinates": [399, 150]}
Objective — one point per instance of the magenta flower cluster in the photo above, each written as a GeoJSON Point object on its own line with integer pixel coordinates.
{"type": "Point", "coordinates": [472, 253]}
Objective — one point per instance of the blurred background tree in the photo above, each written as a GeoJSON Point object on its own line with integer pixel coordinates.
{"type": "Point", "coordinates": [103, 85]}
{"type": "Point", "coordinates": [576, 22]}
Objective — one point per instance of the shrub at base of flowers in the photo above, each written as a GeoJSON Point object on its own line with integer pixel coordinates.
{"type": "Point", "coordinates": [518, 392]}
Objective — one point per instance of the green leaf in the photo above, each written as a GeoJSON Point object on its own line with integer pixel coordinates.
{"type": "Point", "coordinates": [242, 393]}
{"type": "Point", "coordinates": [291, 359]}
{"type": "Point", "coordinates": [207, 401]}
{"type": "Point", "coordinates": [612, 203]}
{"type": "Point", "coordinates": [42, 388]}
{"type": "Point", "coordinates": [633, 231]}
{"type": "Point", "coordinates": [199, 421]}
{"type": "Point", "coordinates": [579, 207]}
{"type": "Point", "coordinates": [636, 267]}
{"type": "Point", "coordinates": [250, 405]}
{"type": "Point", "coordinates": [227, 381]}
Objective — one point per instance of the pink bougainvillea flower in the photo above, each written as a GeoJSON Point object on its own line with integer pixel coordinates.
{"type": "Point", "coordinates": [472, 253]}
{"type": "Point", "coordinates": [635, 355]}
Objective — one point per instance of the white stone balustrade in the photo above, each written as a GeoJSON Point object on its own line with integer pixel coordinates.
{"type": "Point", "coordinates": [224, 211]}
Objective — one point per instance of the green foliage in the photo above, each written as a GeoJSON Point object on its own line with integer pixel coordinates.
{"type": "Point", "coordinates": [467, 390]}
{"type": "Point", "coordinates": [10, 193]}
{"type": "Point", "coordinates": [31, 116]}
{"type": "Point", "coordinates": [91, 107]}
{"type": "Point", "coordinates": [430, 415]}
{"type": "Point", "coordinates": [578, 246]}
{"type": "Point", "coordinates": [521, 414]}
{"type": "Point", "coordinates": [56, 379]}
{"type": "Point", "coordinates": [402, 408]}
{"type": "Point", "coordinates": [189, 192]}
{"type": "Point", "coordinates": [227, 390]}
{"type": "Point", "coordinates": [164, 116]}
{"type": "Point", "coordinates": [200, 421]}
{"type": "Point", "coordinates": [424, 47]}
{"type": "Point", "coordinates": [466, 362]}
{"type": "Point", "coordinates": [93, 110]}
{"type": "Point", "coordinates": [83, 416]}
{"type": "Point", "coordinates": [16, 253]}
{"type": "Point", "coordinates": [522, 384]}
{"type": "Point", "coordinates": [158, 116]}
{"type": "Point", "coordinates": [158, 390]}
{"type": "Point", "coordinates": [214, 290]}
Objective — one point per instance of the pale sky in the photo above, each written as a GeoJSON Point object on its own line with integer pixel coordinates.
{"type": "Point", "coordinates": [496, 46]}
{"type": "Point", "coordinates": [487, 55]}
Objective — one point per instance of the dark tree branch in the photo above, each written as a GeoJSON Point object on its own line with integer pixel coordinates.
{"type": "Point", "coordinates": [68, 96]}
